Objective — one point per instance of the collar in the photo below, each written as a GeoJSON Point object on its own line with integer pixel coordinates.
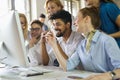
{"type": "Point", "coordinates": [96, 36]}
{"type": "Point", "coordinates": [70, 39]}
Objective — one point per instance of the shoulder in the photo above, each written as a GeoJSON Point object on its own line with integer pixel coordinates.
{"type": "Point", "coordinates": [108, 5]}
{"type": "Point", "coordinates": [106, 39]}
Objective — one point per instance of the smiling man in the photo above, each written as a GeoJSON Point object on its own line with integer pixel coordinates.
{"type": "Point", "coordinates": [67, 39]}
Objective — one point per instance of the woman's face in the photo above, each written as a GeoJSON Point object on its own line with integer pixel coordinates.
{"type": "Point", "coordinates": [23, 22]}
{"type": "Point", "coordinates": [80, 23]}
{"type": "Point", "coordinates": [52, 8]}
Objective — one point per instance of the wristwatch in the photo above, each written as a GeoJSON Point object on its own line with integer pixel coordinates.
{"type": "Point", "coordinates": [113, 74]}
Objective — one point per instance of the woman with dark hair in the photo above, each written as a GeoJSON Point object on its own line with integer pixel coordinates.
{"type": "Point", "coordinates": [110, 17]}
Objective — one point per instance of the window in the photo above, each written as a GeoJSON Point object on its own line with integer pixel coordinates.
{"type": "Point", "coordinates": [4, 6]}
{"type": "Point", "coordinates": [23, 7]}
{"type": "Point", "coordinates": [72, 6]}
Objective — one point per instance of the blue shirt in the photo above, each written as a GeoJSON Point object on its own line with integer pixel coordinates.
{"type": "Point", "coordinates": [45, 27]}
{"type": "Point", "coordinates": [108, 15]}
{"type": "Point", "coordinates": [104, 54]}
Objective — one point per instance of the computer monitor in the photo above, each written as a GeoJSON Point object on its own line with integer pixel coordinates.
{"type": "Point", "coordinates": [12, 46]}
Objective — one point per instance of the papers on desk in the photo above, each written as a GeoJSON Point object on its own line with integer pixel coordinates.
{"type": "Point", "coordinates": [2, 65]}
{"type": "Point", "coordinates": [30, 73]}
{"type": "Point", "coordinates": [43, 72]}
{"type": "Point", "coordinates": [22, 72]}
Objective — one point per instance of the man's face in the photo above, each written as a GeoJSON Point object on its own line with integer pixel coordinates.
{"type": "Point", "coordinates": [59, 27]}
{"type": "Point", "coordinates": [36, 30]}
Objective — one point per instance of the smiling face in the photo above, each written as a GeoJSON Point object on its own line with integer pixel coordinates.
{"type": "Point", "coordinates": [52, 8]}
{"type": "Point", "coordinates": [36, 30]}
{"type": "Point", "coordinates": [80, 23]}
{"type": "Point", "coordinates": [59, 27]}
{"type": "Point", "coordinates": [87, 19]}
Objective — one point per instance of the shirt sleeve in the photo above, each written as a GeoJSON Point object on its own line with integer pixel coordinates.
{"type": "Point", "coordinates": [113, 11]}
{"type": "Point", "coordinates": [32, 57]}
{"type": "Point", "coordinates": [113, 53]}
{"type": "Point", "coordinates": [73, 61]}
{"type": "Point", "coordinates": [51, 55]}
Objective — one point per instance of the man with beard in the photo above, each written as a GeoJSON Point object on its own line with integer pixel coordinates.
{"type": "Point", "coordinates": [66, 38]}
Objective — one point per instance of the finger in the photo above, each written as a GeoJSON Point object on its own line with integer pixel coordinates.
{"type": "Point", "coordinates": [49, 34]}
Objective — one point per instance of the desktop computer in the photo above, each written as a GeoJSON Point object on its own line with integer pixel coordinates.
{"type": "Point", "coordinates": [12, 46]}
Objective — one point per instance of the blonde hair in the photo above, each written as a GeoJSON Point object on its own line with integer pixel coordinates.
{"type": "Point", "coordinates": [25, 31]}
{"type": "Point", "coordinates": [57, 2]}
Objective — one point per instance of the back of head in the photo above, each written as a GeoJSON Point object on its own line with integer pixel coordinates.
{"type": "Point", "coordinates": [65, 16]}
{"type": "Point", "coordinates": [42, 15]}
{"type": "Point", "coordinates": [94, 15]}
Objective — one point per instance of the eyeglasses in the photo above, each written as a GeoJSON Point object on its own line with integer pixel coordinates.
{"type": "Point", "coordinates": [34, 29]}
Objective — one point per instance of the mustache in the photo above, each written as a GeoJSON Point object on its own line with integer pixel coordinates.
{"type": "Point", "coordinates": [57, 30]}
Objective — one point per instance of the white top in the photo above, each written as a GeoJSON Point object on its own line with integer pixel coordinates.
{"type": "Point", "coordinates": [34, 55]}
{"type": "Point", "coordinates": [69, 46]}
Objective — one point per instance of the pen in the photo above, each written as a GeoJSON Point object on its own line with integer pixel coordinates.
{"type": "Point", "coordinates": [75, 77]}
{"type": "Point", "coordinates": [34, 74]}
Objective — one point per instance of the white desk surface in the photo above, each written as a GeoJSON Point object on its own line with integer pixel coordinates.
{"type": "Point", "coordinates": [52, 73]}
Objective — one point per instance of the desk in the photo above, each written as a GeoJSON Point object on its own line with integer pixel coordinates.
{"type": "Point", "coordinates": [54, 73]}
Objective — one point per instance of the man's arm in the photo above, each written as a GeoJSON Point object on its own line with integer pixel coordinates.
{"type": "Point", "coordinates": [59, 53]}
{"type": "Point", "coordinates": [43, 50]}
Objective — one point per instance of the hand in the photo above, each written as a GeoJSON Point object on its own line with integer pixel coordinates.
{"type": "Point", "coordinates": [102, 76]}
{"type": "Point", "coordinates": [42, 39]}
{"type": "Point", "coordinates": [32, 42]}
{"type": "Point", "coordinates": [50, 38]}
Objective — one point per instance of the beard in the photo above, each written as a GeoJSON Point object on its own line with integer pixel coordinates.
{"type": "Point", "coordinates": [59, 33]}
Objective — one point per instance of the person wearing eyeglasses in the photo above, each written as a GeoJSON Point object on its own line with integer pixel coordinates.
{"type": "Point", "coordinates": [33, 47]}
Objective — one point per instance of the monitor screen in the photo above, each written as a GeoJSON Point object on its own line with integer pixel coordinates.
{"type": "Point", "coordinates": [12, 46]}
